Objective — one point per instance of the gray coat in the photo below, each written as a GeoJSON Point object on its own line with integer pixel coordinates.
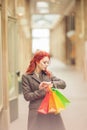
{"type": "Point", "coordinates": [31, 92]}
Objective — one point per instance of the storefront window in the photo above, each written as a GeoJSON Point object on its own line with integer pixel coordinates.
{"type": "Point", "coordinates": [1, 92]}
{"type": "Point", "coordinates": [12, 55]}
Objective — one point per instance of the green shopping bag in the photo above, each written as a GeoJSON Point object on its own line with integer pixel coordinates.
{"type": "Point", "coordinates": [63, 99]}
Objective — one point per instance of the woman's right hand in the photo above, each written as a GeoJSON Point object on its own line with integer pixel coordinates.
{"type": "Point", "coordinates": [45, 85]}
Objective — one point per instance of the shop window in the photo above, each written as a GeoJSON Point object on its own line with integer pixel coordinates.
{"type": "Point", "coordinates": [12, 56]}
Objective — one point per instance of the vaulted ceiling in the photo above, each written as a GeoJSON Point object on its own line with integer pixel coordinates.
{"type": "Point", "coordinates": [51, 6]}
{"type": "Point", "coordinates": [46, 13]}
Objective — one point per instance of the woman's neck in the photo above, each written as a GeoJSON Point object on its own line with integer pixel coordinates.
{"type": "Point", "coordinates": [37, 70]}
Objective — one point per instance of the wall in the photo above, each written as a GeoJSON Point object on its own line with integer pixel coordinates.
{"type": "Point", "coordinates": [58, 40]}
{"type": "Point", "coordinates": [79, 35]}
{"type": "Point", "coordinates": [4, 111]}
{"type": "Point", "coordinates": [85, 38]}
{"type": "Point", "coordinates": [24, 36]}
{"type": "Point", "coordinates": [15, 40]}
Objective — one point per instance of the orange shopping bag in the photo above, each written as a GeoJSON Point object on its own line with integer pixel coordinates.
{"type": "Point", "coordinates": [52, 106]}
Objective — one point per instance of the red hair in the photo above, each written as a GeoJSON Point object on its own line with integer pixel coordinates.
{"type": "Point", "coordinates": [36, 58]}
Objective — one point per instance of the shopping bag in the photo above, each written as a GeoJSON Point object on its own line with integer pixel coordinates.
{"type": "Point", "coordinates": [62, 98]}
{"type": "Point", "coordinates": [43, 108]}
{"type": "Point", "coordinates": [58, 103]}
{"type": "Point", "coordinates": [52, 104]}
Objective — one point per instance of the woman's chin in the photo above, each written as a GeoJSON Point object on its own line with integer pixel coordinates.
{"type": "Point", "coordinates": [44, 69]}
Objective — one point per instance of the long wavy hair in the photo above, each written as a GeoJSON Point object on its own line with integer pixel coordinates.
{"type": "Point", "coordinates": [39, 55]}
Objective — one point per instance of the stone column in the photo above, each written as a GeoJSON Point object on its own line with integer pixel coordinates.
{"type": "Point", "coordinates": [4, 125]}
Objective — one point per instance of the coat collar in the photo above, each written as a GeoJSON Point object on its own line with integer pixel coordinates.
{"type": "Point", "coordinates": [35, 77]}
{"type": "Point", "coordinates": [43, 77]}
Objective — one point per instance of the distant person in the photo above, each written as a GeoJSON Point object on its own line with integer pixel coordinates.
{"type": "Point", "coordinates": [35, 86]}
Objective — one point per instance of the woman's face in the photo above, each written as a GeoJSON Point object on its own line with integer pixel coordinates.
{"type": "Point", "coordinates": [43, 64]}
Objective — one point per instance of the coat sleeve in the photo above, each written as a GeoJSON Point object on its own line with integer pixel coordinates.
{"type": "Point", "coordinates": [58, 83]}
{"type": "Point", "coordinates": [27, 91]}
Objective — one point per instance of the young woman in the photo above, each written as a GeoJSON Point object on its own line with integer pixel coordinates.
{"type": "Point", "coordinates": [35, 84]}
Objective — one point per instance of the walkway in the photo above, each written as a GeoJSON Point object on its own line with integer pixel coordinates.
{"type": "Point", "coordinates": [75, 115]}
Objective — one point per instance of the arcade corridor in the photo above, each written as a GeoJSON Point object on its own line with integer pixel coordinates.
{"type": "Point", "coordinates": [58, 27]}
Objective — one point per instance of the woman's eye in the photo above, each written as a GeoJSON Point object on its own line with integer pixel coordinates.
{"type": "Point", "coordinates": [46, 62]}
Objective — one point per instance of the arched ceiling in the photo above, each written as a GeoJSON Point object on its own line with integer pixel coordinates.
{"type": "Point", "coordinates": [46, 13]}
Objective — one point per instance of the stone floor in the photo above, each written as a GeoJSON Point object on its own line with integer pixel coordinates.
{"type": "Point", "coordinates": [75, 115]}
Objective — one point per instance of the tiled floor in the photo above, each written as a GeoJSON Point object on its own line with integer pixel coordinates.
{"type": "Point", "coordinates": [75, 115]}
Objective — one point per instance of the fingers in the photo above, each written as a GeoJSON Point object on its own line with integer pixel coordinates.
{"type": "Point", "coordinates": [45, 85]}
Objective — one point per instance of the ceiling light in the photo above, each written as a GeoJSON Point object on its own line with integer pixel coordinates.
{"type": "Point", "coordinates": [70, 33]}
{"type": "Point", "coordinates": [42, 5]}
{"type": "Point", "coordinates": [20, 11]}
